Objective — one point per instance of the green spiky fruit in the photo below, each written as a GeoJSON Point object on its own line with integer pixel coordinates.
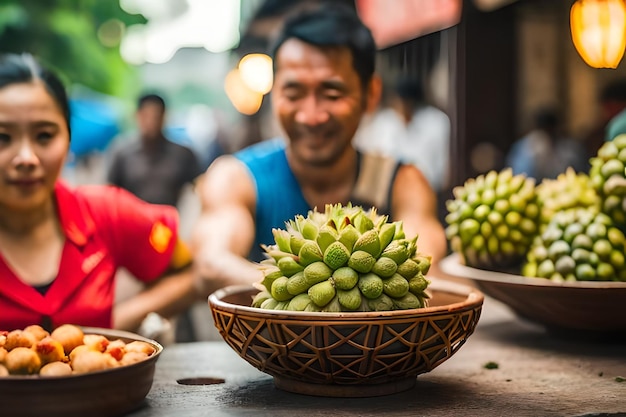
{"type": "Point", "coordinates": [344, 259]}
{"type": "Point", "coordinates": [578, 245]}
{"type": "Point", "coordinates": [568, 190]}
{"type": "Point", "coordinates": [492, 219]}
{"type": "Point", "coordinates": [608, 176]}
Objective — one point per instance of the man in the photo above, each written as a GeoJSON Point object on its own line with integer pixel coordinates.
{"type": "Point", "coordinates": [153, 168]}
{"type": "Point", "coordinates": [613, 103]}
{"type": "Point", "coordinates": [324, 83]}
{"type": "Point", "coordinates": [545, 152]}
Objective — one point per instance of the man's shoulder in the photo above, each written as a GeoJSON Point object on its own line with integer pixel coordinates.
{"type": "Point", "coordinates": [178, 146]}
{"type": "Point", "coordinates": [616, 126]}
{"type": "Point", "coordinates": [124, 145]}
{"type": "Point", "coordinates": [179, 149]}
{"type": "Point", "coordinates": [373, 158]}
{"type": "Point", "coordinates": [266, 150]}
{"type": "Point", "coordinates": [375, 179]}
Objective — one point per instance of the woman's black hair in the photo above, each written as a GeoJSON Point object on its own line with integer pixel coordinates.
{"type": "Point", "coordinates": [24, 68]}
{"type": "Point", "coordinates": [332, 25]}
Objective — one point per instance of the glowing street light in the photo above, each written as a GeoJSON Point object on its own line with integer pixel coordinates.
{"type": "Point", "coordinates": [243, 98]}
{"type": "Point", "coordinates": [599, 31]}
{"type": "Point", "coordinates": [256, 71]}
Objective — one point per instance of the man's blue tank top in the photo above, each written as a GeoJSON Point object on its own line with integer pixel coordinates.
{"type": "Point", "coordinates": [279, 197]}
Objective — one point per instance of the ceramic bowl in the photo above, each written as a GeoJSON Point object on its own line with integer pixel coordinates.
{"type": "Point", "coordinates": [355, 354]}
{"type": "Point", "coordinates": [582, 308]}
{"type": "Point", "coordinates": [107, 393]}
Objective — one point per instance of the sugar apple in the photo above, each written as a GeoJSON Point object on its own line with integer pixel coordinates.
{"type": "Point", "coordinates": [578, 244]}
{"type": "Point", "coordinates": [608, 177]}
{"type": "Point", "coordinates": [492, 219]}
{"type": "Point", "coordinates": [344, 259]}
{"type": "Point", "coordinates": [568, 190]}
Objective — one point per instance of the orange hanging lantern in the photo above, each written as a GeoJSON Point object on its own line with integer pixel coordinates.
{"type": "Point", "coordinates": [599, 31]}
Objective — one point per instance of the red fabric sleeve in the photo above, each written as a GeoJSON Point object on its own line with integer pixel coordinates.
{"type": "Point", "coordinates": [140, 236]}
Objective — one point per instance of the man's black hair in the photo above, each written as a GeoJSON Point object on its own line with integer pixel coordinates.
{"type": "Point", "coordinates": [614, 91]}
{"type": "Point", "coordinates": [409, 89]}
{"type": "Point", "coordinates": [332, 25]}
{"type": "Point", "coordinates": [547, 118]}
{"type": "Point", "coordinates": [151, 98]}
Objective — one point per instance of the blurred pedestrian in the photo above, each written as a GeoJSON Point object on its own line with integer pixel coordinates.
{"type": "Point", "coordinates": [324, 82]}
{"type": "Point", "coordinates": [545, 152]}
{"type": "Point", "coordinates": [613, 102]}
{"type": "Point", "coordinates": [426, 139]}
{"type": "Point", "coordinates": [61, 246]}
{"type": "Point", "coordinates": [150, 166]}
{"type": "Point", "coordinates": [379, 128]}
{"type": "Point", "coordinates": [412, 131]}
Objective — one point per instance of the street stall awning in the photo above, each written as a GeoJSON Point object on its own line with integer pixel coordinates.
{"type": "Point", "coordinates": [402, 20]}
{"type": "Point", "coordinates": [94, 125]}
{"type": "Point", "coordinates": [490, 5]}
{"type": "Point", "coordinates": [399, 21]}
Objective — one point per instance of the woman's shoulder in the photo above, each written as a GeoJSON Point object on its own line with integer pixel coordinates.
{"type": "Point", "coordinates": [82, 196]}
{"type": "Point", "coordinates": [106, 203]}
{"type": "Point", "coordinates": [100, 195]}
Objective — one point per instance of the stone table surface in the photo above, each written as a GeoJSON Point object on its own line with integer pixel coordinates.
{"type": "Point", "coordinates": [537, 374]}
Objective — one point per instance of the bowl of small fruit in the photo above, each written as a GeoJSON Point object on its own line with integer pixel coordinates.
{"type": "Point", "coordinates": [345, 308]}
{"type": "Point", "coordinates": [74, 371]}
{"type": "Point", "coordinates": [554, 252]}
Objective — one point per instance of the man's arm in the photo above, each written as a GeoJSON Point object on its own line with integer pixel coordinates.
{"type": "Point", "coordinates": [415, 203]}
{"type": "Point", "coordinates": [224, 233]}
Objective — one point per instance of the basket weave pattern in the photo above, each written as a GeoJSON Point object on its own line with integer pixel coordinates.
{"type": "Point", "coordinates": [347, 350]}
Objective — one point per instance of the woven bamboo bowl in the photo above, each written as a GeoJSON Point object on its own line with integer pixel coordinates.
{"type": "Point", "coordinates": [358, 354]}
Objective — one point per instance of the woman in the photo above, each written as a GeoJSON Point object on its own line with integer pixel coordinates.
{"type": "Point", "coordinates": [60, 247]}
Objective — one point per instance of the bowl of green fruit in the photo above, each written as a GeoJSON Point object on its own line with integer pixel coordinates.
{"type": "Point", "coordinates": [571, 309]}
{"type": "Point", "coordinates": [345, 308]}
{"type": "Point", "coordinates": [554, 252]}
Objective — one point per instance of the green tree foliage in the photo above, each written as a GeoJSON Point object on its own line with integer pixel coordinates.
{"type": "Point", "coordinates": [64, 35]}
